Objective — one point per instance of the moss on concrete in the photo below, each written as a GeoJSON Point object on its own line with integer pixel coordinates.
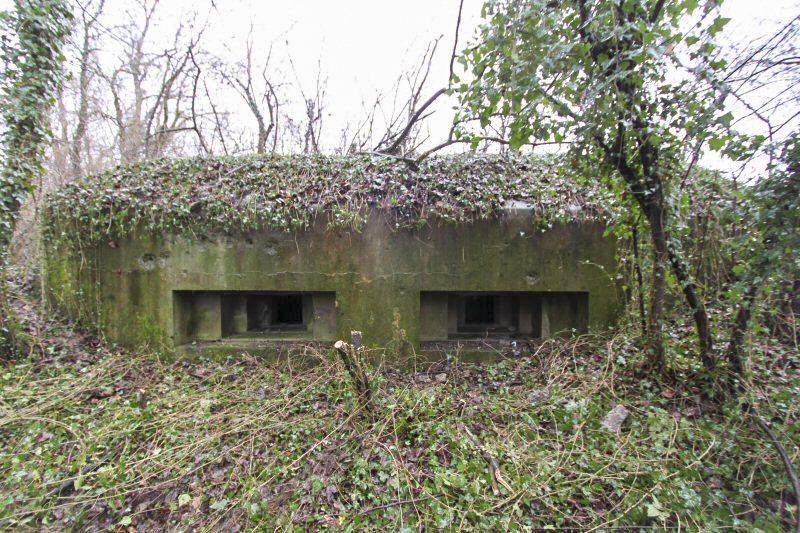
{"type": "Point", "coordinates": [377, 273]}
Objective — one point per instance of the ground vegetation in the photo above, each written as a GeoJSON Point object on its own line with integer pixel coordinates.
{"type": "Point", "coordinates": [96, 438]}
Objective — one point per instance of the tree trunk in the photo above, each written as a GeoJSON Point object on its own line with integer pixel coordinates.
{"type": "Point", "coordinates": [705, 341]}
{"type": "Point", "coordinates": [639, 278]}
{"type": "Point", "coordinates": [648, 192]}
{"type": "Point", "coordinates": [8, 341]}
{"type": "Point", "coordinates": [655, 217]}
{"type": "Point", "coordinates": [664, 251]}
{"type": "Point", "coordinates": [353, 362]}
{"type": "Point", "coordinates": [738, 329]}
{"type": "Point", "coordinates": [83, 104]}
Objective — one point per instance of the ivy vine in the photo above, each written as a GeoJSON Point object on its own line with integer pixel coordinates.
{"type": "Point", "coordinates": [30, 44]}
{"type": "Point", "coordinates": [31, 40]}
{"type": "Point", "coordinates": [211, 195]}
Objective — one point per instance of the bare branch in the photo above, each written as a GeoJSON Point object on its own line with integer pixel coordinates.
{"type": "Point", "coordinates": [415, 117]}
{"type": "Point", "coordinates": [195, 127]}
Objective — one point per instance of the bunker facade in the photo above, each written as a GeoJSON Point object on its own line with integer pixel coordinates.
{"type": "Point", "coordinates": [409, 283]}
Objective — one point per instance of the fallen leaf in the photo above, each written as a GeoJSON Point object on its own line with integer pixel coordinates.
{"type": "Point", "coordinates": [45, 435]}
{"type": "Point", "coordinates": [219, 505]}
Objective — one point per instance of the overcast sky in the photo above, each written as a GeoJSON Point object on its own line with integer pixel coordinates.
{"type": "Point", "coordinates": [361, 46]}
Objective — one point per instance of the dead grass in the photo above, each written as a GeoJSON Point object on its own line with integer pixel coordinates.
{"type": "Point", "coordinates": [98, 438]}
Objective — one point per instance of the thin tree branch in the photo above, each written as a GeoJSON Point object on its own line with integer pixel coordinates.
{"type": "Point", "coordinates": [787, 464]}
{"type": "Point", "coordinates": [194, 99]}
{"type": "Point", "coordinates": [416, 116]}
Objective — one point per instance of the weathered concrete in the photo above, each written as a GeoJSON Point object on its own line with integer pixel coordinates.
{"type": "Point", "coordinates": [391, 284]}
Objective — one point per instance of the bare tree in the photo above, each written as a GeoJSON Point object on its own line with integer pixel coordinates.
{"type": "Point", "coordinates": [89, 14]}
{"type": "Point", "coordinates": [148, 90]}
{"type": "Point", "coordinates": [309, 131]}
{"type": "Point", "coordinates": [763, 80]}
{"type": "Point", "coordinates": [76, 99]}
{"type": "Point", "coordinates": [392, 144]}
{"type": "Point", "coordinates": [403, 125]}
{"type": "Point", "coordinates": [358, 138]}
{"type": "Point", "coordinates": [240, 77]}
{"type": "Point", "coordinates": [197, 73]}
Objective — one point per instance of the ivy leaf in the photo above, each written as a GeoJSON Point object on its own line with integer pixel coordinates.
{"type": "Point", "coordinates": [717, 25]}
{"type": "Point", "coordinates": [518, 139]}
{"type": "Point", "coordinates": [716, 143]}
{"type": "Point", "coordinates": [219, 505]}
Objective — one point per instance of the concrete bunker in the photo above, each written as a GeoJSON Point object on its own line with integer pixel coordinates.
{"type": "Point", "coordinates": [465, 252]}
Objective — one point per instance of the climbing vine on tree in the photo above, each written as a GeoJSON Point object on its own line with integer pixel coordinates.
{"type": "Point", "coordinates": [633, 85]}
{"type": "Point", "coordinates": [770, 248]}
{"type": "Point", "coordinates": [31, 42]}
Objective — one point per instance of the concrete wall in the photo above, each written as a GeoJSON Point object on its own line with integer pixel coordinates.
{"type": "Point", "coordinates": [136, 290]}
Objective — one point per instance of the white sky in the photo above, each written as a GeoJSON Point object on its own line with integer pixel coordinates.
{"type": "Point", "coordinates": [363, 45]}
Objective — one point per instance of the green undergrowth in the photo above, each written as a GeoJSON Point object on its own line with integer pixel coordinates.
{"type": "Point", "coordinates": [209, 195]}
{"type": "Point", "coordinates": [96, 438]}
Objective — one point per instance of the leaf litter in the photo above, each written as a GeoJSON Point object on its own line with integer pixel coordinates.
{"type": "Point", "coordinates": [95, 438]}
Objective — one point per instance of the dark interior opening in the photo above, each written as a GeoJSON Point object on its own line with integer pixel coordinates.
{"type": "Point", "coordinates": [483, 314]}
{"type": "Point", "coordinates": [479, 310]}
{"type": "Point", "coordinates": [214, 315]}
{"type": "Point", "coordinates": [288, 309]}
{"type": "Point", "coordinates": [267, 312]}
{"type": "Point", "coordinates": [478, 315]}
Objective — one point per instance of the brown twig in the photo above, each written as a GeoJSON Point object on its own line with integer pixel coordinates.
{"type": "Point", "coordinates": [494, 468]}
{"type": "Point", "coordinates": [395, 147]}
{"type": "Point", "coordinates": [787, 464]}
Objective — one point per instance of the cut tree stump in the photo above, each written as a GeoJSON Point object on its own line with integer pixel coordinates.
{"type": "Point", "coordinates": [351, 357]}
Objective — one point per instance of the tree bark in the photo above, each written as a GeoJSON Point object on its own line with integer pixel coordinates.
{"type": "Point", "coordinates": [733, 353]}
{"type": "Point", "coordinates": [352, 358]}
{"type": "Point", "coordinates": [8, 339]}
{"type": "Point", "coordinates": [664, 253]}
{"type": "Point", "coordinates": [648, 192]}
{"type": "Point", "coordinates": [705, 341]}
{"type": "Point", "coordinates": [655, 217]}
{"type": "Point", "coordinates": [83, 93]}
{"type": "Point", "coordinates": [639, 278]}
